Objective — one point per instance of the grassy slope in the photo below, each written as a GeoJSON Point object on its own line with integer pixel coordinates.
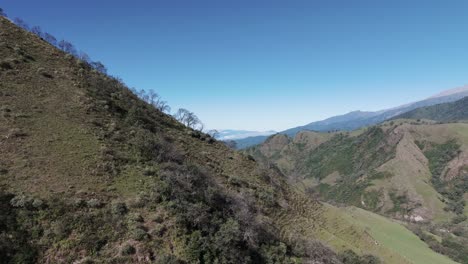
{"type": "Point", "coordinates": [66, 139]}
{"type": "Point", "coordinates": [394, 236]}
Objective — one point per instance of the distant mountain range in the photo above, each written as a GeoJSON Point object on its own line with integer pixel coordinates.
{"type": "Point", "coordinates": [358, 119]}
{"type": "Point", "coordinates": [445, 112]}
{"type": "Point", "coordinates": [231, 134]}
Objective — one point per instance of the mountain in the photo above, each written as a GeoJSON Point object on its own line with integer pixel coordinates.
{"type": "Point", "coordinates": [231, 134]}
{"type": "Point", "coordinates": [89, 173]}
{"type": "Point", "coordinates": [358, 119]}
{"type": "Point", "coordinates": [413, 171]}
{"type": "Point", "coordinates": [445, 112]}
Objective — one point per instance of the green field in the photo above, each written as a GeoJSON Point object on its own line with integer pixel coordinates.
{"type": "Point", "coordinates": [395, 237]}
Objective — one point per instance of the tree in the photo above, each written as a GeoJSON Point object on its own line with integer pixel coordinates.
{"type": "Point", "coordinates": [2, 13]}
{"type": "Point", "coordinates": [99, 67]}
{"type": "Point", "coordinates": [67, 47]}
{"type": "Point", "coordinates": [20, 23]}
{"type": "Point", "coordinates": [155, 100]}
{"type": "Point", "coordinates": [213, 133]}
{"type": "Point", "coordinates": [163, 106]}
{"type": "Point", "coordinates": [37, 31]}
{"type": "Point", "coordinates": [84, 57]}
{"type": "Point", "coordinates": [187, 118]}
{"type": "Point", "coordinates": [51, 39]}
{"type": "Point", "coordinates": [153, 97]}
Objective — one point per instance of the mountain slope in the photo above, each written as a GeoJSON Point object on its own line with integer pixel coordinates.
{"type": "Point", "coordinates": [358, 119]}
{"type": "Point", "coordinates": [411, 171]}
{"type": "Point", "coordinates": [89, 173]}
{"type": "Point", "coordinates": [446, 112]}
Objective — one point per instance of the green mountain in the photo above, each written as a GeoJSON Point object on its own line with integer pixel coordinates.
{"type": "Point", "coordinates": [89, 173]}
{"type": "Point", "coordinates": [445, 112]}
{"type": "Point", "coordinates": [415, 172]}
{"type": "Point", "coordinates": [358, 119]}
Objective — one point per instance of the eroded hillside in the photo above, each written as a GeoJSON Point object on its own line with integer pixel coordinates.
{"type": "Point", "coordinates": [415, 171]}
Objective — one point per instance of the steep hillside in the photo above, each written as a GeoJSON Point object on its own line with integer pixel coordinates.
{"type": "Point", "coordinates": [446, 112]}
{"type": "Point", "coordinates": [89, 173]}
{"type": "Point", "coordinates": [412, 171]}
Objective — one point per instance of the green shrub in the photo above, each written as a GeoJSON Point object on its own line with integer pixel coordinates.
{"type": "Point", "coordinates": [119, 208]}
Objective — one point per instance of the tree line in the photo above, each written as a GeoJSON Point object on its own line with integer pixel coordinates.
{"type": "Point", "coordinates": [182, 115]}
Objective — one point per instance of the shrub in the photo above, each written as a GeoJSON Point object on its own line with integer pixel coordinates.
{"type": "Point", "coordinates": [20, 201]}
{"type": "Point", "coordinates": [139, 234]}
{"type": "Point", "coordinates": [6, 65]}
{"type": "Point", "coordinates": [94, 203]}
{"type": "Point", "coordinates": [119, 208]}
{"type": "Point", "coordinates": [127, 250]}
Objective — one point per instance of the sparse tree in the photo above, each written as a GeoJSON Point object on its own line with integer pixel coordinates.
{"type": "Point", "coordinates": [153, 97]}
{"type": "Point", "coordinates": [163, 106]}
{"type": "Point", "coordinates": [67, 47]}
{"type": "Point", "coordinates": [20, 23]}
{"type": "Point", "coordinates": [99, 67]}
{"type": "Point", "coordinates": [213, 133]}
{"type": "Point", "coordinates": [141, 93]}
{"type": "Point", "coordinates": [51, 39]}
{"type": "Point", "coordinates": [37, 31]}
{"type": "Point", "coordinates": [187, 118]}
{"type": "Point", "coordinates": [84, 57]}
{"type": "Point", "coordinates": [2, 13]}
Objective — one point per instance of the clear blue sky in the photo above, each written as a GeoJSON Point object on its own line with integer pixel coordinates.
{"type": "Point", "coordinates": [264, 65]}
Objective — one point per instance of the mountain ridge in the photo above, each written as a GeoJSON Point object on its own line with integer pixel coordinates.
{"type": "Point", "coordinates": [358, 119]}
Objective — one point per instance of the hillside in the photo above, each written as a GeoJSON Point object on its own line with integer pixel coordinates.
{"type": "Point", "coordinates": [445, 112]}
{"type": "Point", "coordinates": [407, 170]}
{"type": "Point", "coordinates": [358, 119]}
{"type": "Point", "coordinates": [89, 173]}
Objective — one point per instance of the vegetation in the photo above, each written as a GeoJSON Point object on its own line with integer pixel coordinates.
{"type": "Point", "coordinates": [93, 171]}
{"type": "Point", "coordinates": [445, 112]}
{"type": "Point", "coordinates": [452, 189]}
{"type": "Point", "coordinates": [123, 181]}
{"type": "Point", "coordinates": [444, 242]}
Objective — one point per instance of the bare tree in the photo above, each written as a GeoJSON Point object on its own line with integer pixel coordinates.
{"type": "Point", "coordinates": [213, 133]}
{"type": "Point", "coordinates": [2, 13]}
{"type": "Point", "coordinates": [37, 31]}
{"type": "Point", "coordinates": [163, 106]}
{"type": "Point", "coordinates": [84, 57]}
{"type": "Point", "coordinates": [99, 67]}
{"type": "Point", "coordinates": [153, 97]}
{"type": "Point", "coordinates": [20, 23]}
{"type": "Point", "coordinates": [67, 47]}
{"type": "Point", "coordinates": [187, 118]}
{"type": "Point", "coordinates": [51, 39]}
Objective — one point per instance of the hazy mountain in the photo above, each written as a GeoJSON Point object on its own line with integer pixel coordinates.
{"type": "Point", "coordinates": [358, 119]}
{"type": "Point", "coordinates": [231, 134]}
{"type": "Point", "coordinates": [445, 112]}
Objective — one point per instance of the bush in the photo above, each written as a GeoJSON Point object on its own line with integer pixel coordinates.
{"type": "Point", "coordinates": [119, 208]}
{"type": "Point", "coordinates": [21, 201]}
{"type": "Point", "coordinates": [128, 250]}
{"type": "Point", "coordinates": [94, 203]}
{"type": "Point", "coordinates": [139, 234]}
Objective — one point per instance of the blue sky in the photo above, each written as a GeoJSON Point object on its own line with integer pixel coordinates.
{"type": "Point", "coordinates": [262, 65]}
